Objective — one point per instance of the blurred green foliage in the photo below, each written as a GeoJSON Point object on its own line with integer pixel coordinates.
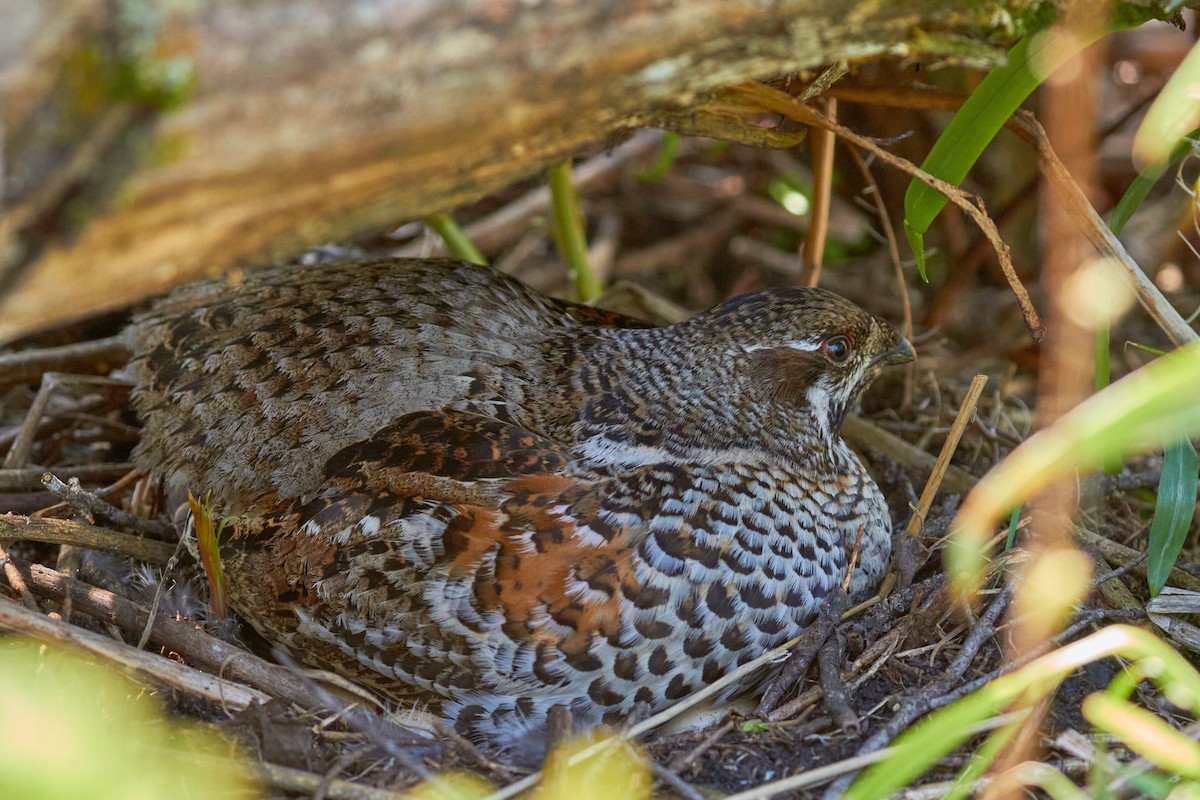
{"type": "Point", "coordinates": [71, 729]}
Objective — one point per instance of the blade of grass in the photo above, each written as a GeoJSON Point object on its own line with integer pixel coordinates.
{"type": "Point", "coordinates": [1128, 205]}
{"type": "Point", "coordinates": [1173, 512]}
{"type": "Point", "coordinates": [1012, 528]}
{"type": "Point", "coordinates": [978, 121]}
{"type": "Point", "coordinates": [980, 761]}
{"type": "Point", "coordinates": [568, 232]}
{"type": "Point", "coordinates": [1136, 194]}
{"type": "Point", "coordinates": [1144, 733]}
{"type": "Point", "coordinates": [208, 543]}
{"type": "Point", "coordinates": [667, 152]}
{"type": "Point", "coordinates": [1103, 376]}
{"type": "Point", "coordinates": [919, 748]}
{"type": "Point", "coordinates": [1147, 409]}
{"type": "Point", "coordinates": [456, 239]}
{"type": "Point", "coordinates": [1173, 113]}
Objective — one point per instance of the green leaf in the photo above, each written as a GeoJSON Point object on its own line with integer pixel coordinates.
{"type": "Point", "coordinates": [1173, 511]}
{"type": "Point", "coordinates": [977, 123]}
{"type": "Point", "coordinates": [1173, 113]}
{"type": "Point", "coordinates": [1136, 194]}
{"type": "Point", "coordinates": [1012, 528]}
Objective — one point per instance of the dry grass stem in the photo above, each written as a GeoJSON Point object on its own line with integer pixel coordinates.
{"type": "Point", "coordinates": [821, 144]}
{"type": "Point", "coordinates": [1080, 210]}
{"type": "Point", "coordinates": [847, 766]}
{"type": "Point", "coordinates": [889, 232]}
{"type": "Point", "coordinates": [759, 97]}
{"type": "Point", "coordinates": [965, 411]}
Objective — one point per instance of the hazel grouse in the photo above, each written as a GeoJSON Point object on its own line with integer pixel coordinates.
{"type": "Point", "coordinates": [456, 490]}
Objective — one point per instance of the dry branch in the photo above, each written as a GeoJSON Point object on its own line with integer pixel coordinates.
{"type": "Point", "coordinates": [197, 647]}
{"type": "Point", "coordinates": [233, 696]}
{"type": "Point", "coordinates": [62, 531]}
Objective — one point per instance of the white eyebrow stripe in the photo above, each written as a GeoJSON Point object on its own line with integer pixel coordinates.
{"type": "Point", "coordinates": [806, 347]}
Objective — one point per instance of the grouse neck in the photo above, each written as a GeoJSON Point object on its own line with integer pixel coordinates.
{"type": "Point", "coordinates": [678, 394]}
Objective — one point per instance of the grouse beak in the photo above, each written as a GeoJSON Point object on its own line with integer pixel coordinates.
{"type": "Point", "coordinates": [902, 353]}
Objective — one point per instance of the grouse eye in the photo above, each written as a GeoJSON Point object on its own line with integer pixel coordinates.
{"type": "Point", "coordinates": [837, 349]}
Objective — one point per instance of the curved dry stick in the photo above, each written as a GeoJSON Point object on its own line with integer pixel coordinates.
{"type": "Point", "coordinates": [757, 97]}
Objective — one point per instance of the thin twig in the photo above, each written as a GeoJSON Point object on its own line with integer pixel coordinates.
{"type": "Point", "coordinates": [757, 96]}
{"type": "Point", "coordinates": [15, 579]}
{"type": "Point", "coordinates": [668, 776]}
{"type": "Point", "coordinates": [98, 355]}
{"type": "Point", "coordinates": [821, 144]}
{"type": "Point", "coordinates": [22, 446]}
{"type": "Point", "coordinates": [172, 562]}
{"type": "Point", "coordinates": [920, 702]}
{"type": "Point", "coordinates": [1084, 621]}
{"type": "Point", "coordinates": [90, 503]}
{"type": "Point", "coordinates": [849, 766]}
{"type": "Point", "coordinates": [31, 477]}
{"type": "Point", "coordinates": [305, 783]}
{"type": "Point", "coordinates": [806, 649]}
{"type": "Point", "coordinates": [184, 638]}
{"type": "Point", "coordinates": [383, 733]}
{"type": "Point", "coordinates": [344, 760]}
{"type": "Point", "coordinates": [1118, 554]}
{"type": "Point", "coordinates": [875, 656]}
{"type": "Point", "coordinates": [79, 534]}
{"type": "Point", "coordinates": [468, 748]}
{"type": "Point", "coordinates": [965, 412]}
{"type": "Point", "coordinates": [682, 762]}
{"type": "Point", "coordinates": [1128, 566]}
{"type": "Point", "coordinates": [830, 675]}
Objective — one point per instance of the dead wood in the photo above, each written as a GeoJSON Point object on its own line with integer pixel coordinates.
{"type": "Point", "coordinates": [149, 143]}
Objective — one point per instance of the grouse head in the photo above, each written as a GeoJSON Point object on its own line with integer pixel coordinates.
{"type": "Point", "coordinates": [773, 371]}
{"type": "Point", "coordinates": [808, 349]}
